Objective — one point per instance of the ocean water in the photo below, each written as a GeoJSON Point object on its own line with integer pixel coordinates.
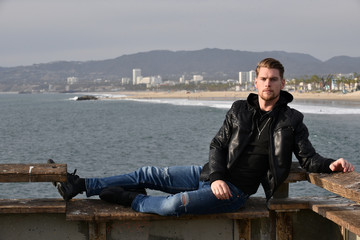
{"type": "Point", "coordinates": [104, 138]}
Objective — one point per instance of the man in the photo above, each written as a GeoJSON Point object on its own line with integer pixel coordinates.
{"type": "Point", "coordinates": [253, 146]}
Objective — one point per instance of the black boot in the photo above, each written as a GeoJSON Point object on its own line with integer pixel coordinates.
{"type": "Point", "coordinates": [119, 195]}
{"type": "Point", "coordinates": [72, 187]}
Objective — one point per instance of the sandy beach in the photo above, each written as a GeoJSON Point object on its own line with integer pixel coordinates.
{"type": "Point", "coordinates": [230, 95]}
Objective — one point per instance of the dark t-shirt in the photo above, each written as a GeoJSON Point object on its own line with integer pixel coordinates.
{"type": "Point", "coordinates": [253, 163]}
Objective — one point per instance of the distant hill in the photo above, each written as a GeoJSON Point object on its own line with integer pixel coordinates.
{"type": "Point", "coordinates": [344, 64]}
{"type": "Point", "coordinates": [211, 63]}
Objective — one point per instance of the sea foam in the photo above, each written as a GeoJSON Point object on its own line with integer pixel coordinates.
{"type": "Point", "coordinates": [302, 107]}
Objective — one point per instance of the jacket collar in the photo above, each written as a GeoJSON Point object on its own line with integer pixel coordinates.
{"type": "Point", "coordinates": [285, 98]}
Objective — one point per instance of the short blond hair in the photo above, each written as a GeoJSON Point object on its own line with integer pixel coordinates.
{"type": "Point", "coordinates": [270, 63]}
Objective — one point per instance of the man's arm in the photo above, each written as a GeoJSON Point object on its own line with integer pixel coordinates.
{"type": "Point", "coordinates": [217, 158]}
{"type": "Point", "coordinates": [308, 158]}
{"type": "Point", "coordinates": [219, 149]}
{"type": "Point", "coordinates": [341, 165]}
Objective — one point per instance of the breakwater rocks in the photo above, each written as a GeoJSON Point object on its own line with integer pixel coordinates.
{"type": "Point", "coordinates": [87, 97]}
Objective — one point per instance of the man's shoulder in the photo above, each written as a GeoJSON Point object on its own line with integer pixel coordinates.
{"type": "Point", "coordinates": [239, 103]}
{"type": "Point", "coordinates": [294, 114]}
{"type": "Point", "coordinates": [294, 111]}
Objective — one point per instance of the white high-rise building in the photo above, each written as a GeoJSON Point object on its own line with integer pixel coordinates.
{"type": "Point", "coordinates": [252, 75]}
{"type": "Point", "coordinates": [246, 77]}
{"type": "Point", "coordinates": [136, 75]}
{"type": "Point", "coordinates": [243, 77]}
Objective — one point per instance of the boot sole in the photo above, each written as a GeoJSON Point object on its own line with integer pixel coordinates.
{"type": "Point", "coordinates": [57, 185]}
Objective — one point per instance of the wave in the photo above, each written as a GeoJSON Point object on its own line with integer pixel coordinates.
{"type": "Point", "coordinates": [324, 109]}
{"type": "Point", "coordinates": [303, 107]}
{"type": "Point", "coordinates": [187, 102]}
{"type": "Point", "coordinates": [102, 96]}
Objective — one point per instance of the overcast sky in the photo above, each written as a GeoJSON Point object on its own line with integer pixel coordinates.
{"type": "Point", "coordinates": [41, 31]}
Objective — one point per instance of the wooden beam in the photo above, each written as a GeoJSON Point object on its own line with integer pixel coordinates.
{"type": "Point", "coordinates": [33, 172]}
{"type": "Point", "coordinates": [299, 203]}
{"type": "Point", "coordinates": [346, 185]}
{"type": "Point", "coordinates": [97, 210]}
{"type": "Point", "coordinates": [296, 174]}
{"type": "Point", "coordinates": [43, 205]}
{"type": "Point", "coordinates": [244, 229]}
{"type": "Point", "coordinates": [344, 215]}
{"type": "Point", "coordinates": [284, 226]}
{"type": "Point", "coordinates": [97, 231]}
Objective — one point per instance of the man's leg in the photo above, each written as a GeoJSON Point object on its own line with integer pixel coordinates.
{"type": "Point", "coordinates": [201, 201]}
{"type": "Point", "coordinates": [168, 179]}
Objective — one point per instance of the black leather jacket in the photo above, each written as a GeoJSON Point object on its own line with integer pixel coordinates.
{"type": "Point", "coordinates": [288, 135]}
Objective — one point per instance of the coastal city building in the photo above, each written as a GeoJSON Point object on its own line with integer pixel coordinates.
{"type": "Point", "coordinates": [72, 80]}
{"type": "Point", "coordinates": [344, 82]}
{"type": "Point", "coordinates": [198, 78]}
{"type": "Point", "coordinates": [136, 75]}
{"type": "Point", "coordinates": [182, 79]}
{"type": "Point", "coordinates": [138, 79]}
{"type": "Point", "coordinates": [246, 80]}
{"type": "Point", "coordinates": [150, 81]}
{"type": "Point", "coordinates": [125, 81]}
{"type": "Point", "coordinates": [252, 75]}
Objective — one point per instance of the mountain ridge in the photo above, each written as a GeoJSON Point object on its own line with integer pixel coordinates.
{"type": "Point", "coordinates": [212, 63]}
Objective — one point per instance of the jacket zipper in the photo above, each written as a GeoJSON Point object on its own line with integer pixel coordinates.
{"type": "Point", "coordinates": [271, 157]}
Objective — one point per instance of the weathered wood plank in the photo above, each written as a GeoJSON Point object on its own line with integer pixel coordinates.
{"type": "Point", "coordinates": [299, 203]}
{"type": "Point", "coordinates": [97, 231]}
{"type": "Point", "coordinates": [296, 174]}
{"type": "Point", "coordinates": [344, 184]}
{"type": "Point", "coordinates": [339, 210]}
{"type": "Point", "coordinates": [285, 204]}
{"type": "Point", "coordinates": [244, 229]}
{"type": "Point", "coordinates": [97, 210]}
{"type": "Point", "coordinates": [32, 206]}
{"type": "Point", "coordinates": [33, 172]}
{"type": "Point", "coordinates": [345, 215]}
{"type": "Point", "coordinates": [284, 226]}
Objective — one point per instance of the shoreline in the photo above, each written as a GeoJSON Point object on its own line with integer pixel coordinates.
{"type": "Point", "coordinates": [228, 95]}
{"type": "Point", "coordinates": [216, 95]}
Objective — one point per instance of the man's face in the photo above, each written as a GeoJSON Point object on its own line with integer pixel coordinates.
{"type": "Point", "coordinates": [269, 83]}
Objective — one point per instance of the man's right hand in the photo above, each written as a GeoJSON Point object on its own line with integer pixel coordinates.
{"type": "Point", "coordinates": [221, 190]}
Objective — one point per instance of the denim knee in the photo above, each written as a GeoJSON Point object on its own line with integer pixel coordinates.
{"type": "Point", "coordinates": [165, 206]}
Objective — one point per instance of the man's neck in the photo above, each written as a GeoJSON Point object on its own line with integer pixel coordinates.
{"type": "Point", "coordinates": [267, 105]}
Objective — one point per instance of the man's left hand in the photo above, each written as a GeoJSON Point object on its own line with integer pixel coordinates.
{"type": "Point", "coordinates": [341, 165]}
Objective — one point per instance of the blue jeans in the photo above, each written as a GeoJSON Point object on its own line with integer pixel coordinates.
{"type": "Point", "coordinates": [188, 195]}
